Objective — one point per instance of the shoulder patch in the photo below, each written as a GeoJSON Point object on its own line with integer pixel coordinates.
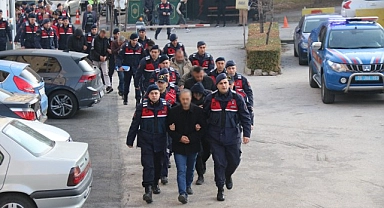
{"type": "Point", "coordinates": [147, 58]}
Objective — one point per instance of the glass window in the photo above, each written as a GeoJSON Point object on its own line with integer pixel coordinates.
{"type": "Point", "coordinates": [41, 64]}
{"type": "Point", "coordinates": [86, 65]}
{"type": "Point", "coordinates": [356, 39]}
{"type": "Point", "coordinates": [311, 24]}
{"type": "Point", "coordinates": [3, 75]}
{"type": "Point", "coordinates": [30, 75]}
{"type": "Point", "coordinates": [29, 139]}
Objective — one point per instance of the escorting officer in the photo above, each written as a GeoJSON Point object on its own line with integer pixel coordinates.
{"type": "Point", "coordinates": [165, 10]}
{"type": "Point", "coordinates": [147, 66]}
{"type": "Point", "coordinates": [201, 58]}
{"type": "Point", "coordinates": [28, 33]}
{"type": "Point", "coordinates": [65, 30]}
{"type": "Point", "coordinates": [182, 122]}
{"type": "Point", "coordinates": [241, 86]}
{"type": "Point", "coordinates": [46, 36]}
{"type": "Point", "coordinates": [226, 112]}
{"type": "Point", "coordinates": [89, 37]}
{"type": "Point", "coordinates": [40, 14]}
{"type": "Point", "coordinates": [171, 47]}
{"type": "Point", "coordinates": [164, 63]}
{"type": "Point", "coordinates": [89, 19]}
{"type": "Point", "coordinates": [130, 55]}
{"type": "Point", "coordinates": [220, 68]}
{"type": "Point", "coordinates": [149, 124]}
{"type": "Point", "coordinates": [62, 12]}
{"type": "Point", "coordinates": [143, 39]}
{"type": "Point", "coordinates": [5, 32]}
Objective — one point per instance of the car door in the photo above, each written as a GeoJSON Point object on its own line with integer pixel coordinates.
{"type": "Point", "coordinates": [318, 55]}
{"type": "Point", "coordinates": [4, 163]}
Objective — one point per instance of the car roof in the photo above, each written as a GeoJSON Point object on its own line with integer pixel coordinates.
{"type": "Point", "coordinates": [359, 25]}
{"type": "Point", "coordinates": [316, 16]}
{"type": "Point", "coordinates": [45, 52]}
{"type": "Point", "coordinates": [13, 64]}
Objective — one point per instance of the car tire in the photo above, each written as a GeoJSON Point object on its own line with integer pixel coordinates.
{"type": "Point", "coordinates": [302, 62]}
{"type": "Point", "coordinates": [62, 104]}
{"type": "Point", "coordinates": [16, 200]}
{"type": "Point", "coordinates": [294, 52]}
{"type": "Point", "coordinates": [326, 95]}
{"type": "Point", "coordinates": [312, 82]}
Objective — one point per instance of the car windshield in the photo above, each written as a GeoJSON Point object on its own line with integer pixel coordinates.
{"type": "Point", "coordinates": [86, 65]}
{"type": "Point", "coordinates": [356, 39]}
{"type": "Point", "coordinates": [311, 24]}
{"type": "Point", "coordinates": [31, 140]}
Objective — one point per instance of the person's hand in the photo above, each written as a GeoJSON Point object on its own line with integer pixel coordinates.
{"type": "Point", "coordinates": [245, 140]}
{"type": "Point", "coordinates": [137, 88]}
{"type": "Point", "coordinates": [198, 127]}
{"type": "Point", "coordinates": [168, 13]}
{"type": "Point", "coordinates": [84, 48]}
{"type": "Point", "coordinates": [10, 42]}
{"type": "Point", "coordinates": [201, 106]}
{"type": "Point", "coordinates": [101, 58]}
{"type": "Point", "coordinates": [172, 127]}
{"type": "Point", "coordinates": [251, 127]}
{"type": "Point", "coordinates": [109, 51]}
{"type": "Point", "coordinates": [164, 13]}
{"type": "Point", "coordinates": [184, 139]}
{"type": "Point", "coordinates": [130, 146]}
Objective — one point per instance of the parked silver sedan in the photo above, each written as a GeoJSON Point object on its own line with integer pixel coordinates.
{"type": "Point", "coordinates": [36, 171]}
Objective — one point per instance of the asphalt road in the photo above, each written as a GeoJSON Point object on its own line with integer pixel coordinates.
{"type": "Point", "coordinates": [302, 153]}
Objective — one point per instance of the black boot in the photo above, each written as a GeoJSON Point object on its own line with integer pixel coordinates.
{"type": "Point", "coordinates": [220, 194]}
{"type": "Point", "coordinates": [156, 34]}
{"type": "Point", "coordinates": [148, 194]}
{"type": "Point", "coordinates": [229, 183]}
{"type": "Point", "coordinates": [168, 36]}
{"type": "Point", "coordinates": [200, 180]}
{"type": "Point", "coordinates": [156, 189]}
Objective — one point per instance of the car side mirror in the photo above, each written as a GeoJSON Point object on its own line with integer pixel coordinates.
{"type": "Point", "coordinates": [316, 45]}
{"type": "Point", "coordinates": [298, 30]}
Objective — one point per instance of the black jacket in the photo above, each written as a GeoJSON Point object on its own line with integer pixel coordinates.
{"type": "Point", "coordinates": [185, 122]}
{"type": "Point", "coordinates": [207, 83]}
{"type": "Point", "coordinates": [99, 48]}
{"type": "Point", "coordinates": [77, 44]}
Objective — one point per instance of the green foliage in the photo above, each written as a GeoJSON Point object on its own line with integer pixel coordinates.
{"type": "Point", "coordinates": [260, 55]}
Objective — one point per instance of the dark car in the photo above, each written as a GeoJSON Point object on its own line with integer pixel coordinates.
{"type": "Point", "coordinates": [24, 106]}
{"type": "Point", "coordinates": [71, 81]}
{"type": "Point", "coordinates": [303, 29]}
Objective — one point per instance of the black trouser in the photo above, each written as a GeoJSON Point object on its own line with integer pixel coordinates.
{"type": "Point", "coordinates": [152, 163]}
{"type": "Point", "coordinates": [181, 19]}
{"type": "Point", "coordinates": [88, 28]}
{"type": "Point", "coordinates": [128, 75]}
{"type": "Point", "coordinates": [115, 19]}
{"type": "Point", "coordinates": [226, 159]}
{"type": "Point", "coordinates": [167, 155]}
{"type": "Point", "coordinates": [163, 21]}
{"type": "Point", "coordinates": [221, 13]}
{"type": "Point", "coordinates": [111, 67]}
{"type": "Point", "coordinates": [202, 157]}
{"type": "Point", "coordinates": [149, 17]}
{"type": "Point", "coordinates": [3, 44]}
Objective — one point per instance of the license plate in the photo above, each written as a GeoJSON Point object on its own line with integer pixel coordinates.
{"type": "Point", "coordinates": [38, 114]}
{"type": "Point", "coordinates": [101, 93]}
{"type": "Point", "coordinates": [367, 78]}
{"type": "Point", "coordinates": [42, 91]}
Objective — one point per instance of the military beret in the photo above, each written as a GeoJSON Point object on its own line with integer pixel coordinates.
{"type": "Point", "coordinates": [200, 43]}
{"type": "Point", "coordinates": [163, 57]}
{"type": "Point", "coordinates": [45, 21]}
{"type": "Point", "coordinates": [220, 77]}
{"type": "Point", "coordinates": [31, 16]}
{"type": "Point", "coordinates": [230, 63]}
{"type": "Point", "coordinates": [220, 59]}
{"type": "Point", "coordinates": [155, 47]}
{"type": "Point", "coordinates": [173, 37]}
{"type": "Point", "coordinates": [133, 36]}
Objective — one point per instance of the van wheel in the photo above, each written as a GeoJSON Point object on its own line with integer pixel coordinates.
{"type": "Point", "coordinates": [16, 201]}
{"type": "Point", "coordinates": [326, 95]}
{"type": "Point", "coordinates": [62, 104]}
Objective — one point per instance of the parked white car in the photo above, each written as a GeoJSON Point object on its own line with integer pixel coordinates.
{"type": "Point", "coordinates": [37, 171]}
{"type": "Point", "coordinates": [348, 7]}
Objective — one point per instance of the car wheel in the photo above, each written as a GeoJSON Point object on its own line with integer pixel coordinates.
{"type": "Point", "coordinates": [62, 104]}
{"type": "Point", "coordinates": [302, 61]}
{"type": "Point", "coordinates": [16, 201]}
{"type": "Point", "coordinates": [312, 82]}
{"type": "Point", "coordinates": [326, 95]}
{"type": "Point", "coordinates": [294, 51]}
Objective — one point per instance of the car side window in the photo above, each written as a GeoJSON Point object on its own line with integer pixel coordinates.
{"type": "Point", "coordinates": [322, 35]}
{"type": "Point", "coordinates": [1, 158]}
{"type": "Point", "coordinates": [9, 58]}
{"type": "Point", "coordinates": [41, 64]}
{"type": "Point", "coordinates": [301, 23]}
{"type": "Point", "coordinates": [3, 75]}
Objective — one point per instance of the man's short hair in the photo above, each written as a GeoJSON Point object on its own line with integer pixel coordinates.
{"type": "Point", "coordinates": [103, 31]}
{"type": "Point", "coordinates": [151, 43]}
{"type": "Point", "coordinates": [179, 51]}
{"type": "Point", "coordinates": [186, 91]}
{"type": "Point", "coordinates": [121, 38]}
{"type": "Point", "coordinates": [197, 69]}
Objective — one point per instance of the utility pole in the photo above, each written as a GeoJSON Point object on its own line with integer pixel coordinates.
{"type": "Point", "coordinates": [112, 17]}
{"type": "Point", "coordinates": [126, 15]}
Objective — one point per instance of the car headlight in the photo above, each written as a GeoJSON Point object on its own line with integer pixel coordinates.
{"type": "Point", "coordinates": [337, 67]}
{"type": "Point", "coordinates": [304, 44]}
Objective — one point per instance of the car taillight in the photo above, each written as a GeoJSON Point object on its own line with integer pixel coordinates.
{"type": "Point", "coordinates": [23, 85]}
{"type": "Point", "coordinates": [87, 78]}
{"type": "Point", "coordinates": [76, 176]}
{"type": "Point", "coordinates": [346, 5]}
{"type": "Point", "coordinates": [27, 114]}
